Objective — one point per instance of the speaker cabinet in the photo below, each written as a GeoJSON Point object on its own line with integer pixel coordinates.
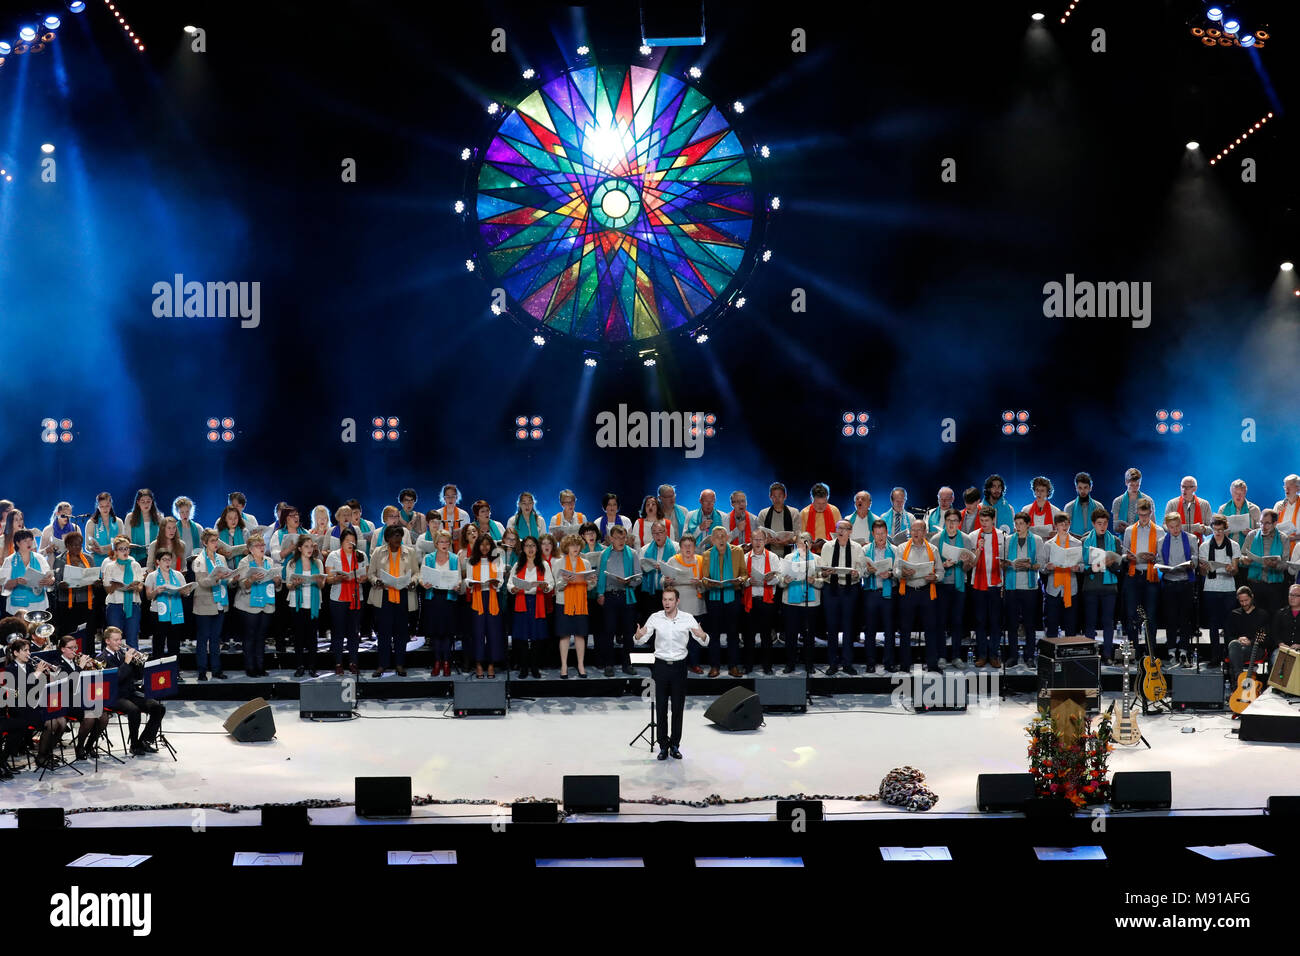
{"type": "Point", "coordinates": [1003, 792]}
{"type": "Point", "coordinates": [383, 796]}
{"type": "Point", "coordinates": [1192, 691]}
{"type": "Point", "coordinates": [535, 811]}
{"type": "Point", "coordinates": [787, 694]}
{"type": "Point", "coordinates": [1145, 790]}
{"type": "Point", "coordinates": [40, 818]}
{"type": "Point", "coordinates": [591, 793]}
{"type": "Point", "coordinates": [253, 722]}
{"type": "Point", "coordinates": [737, 709]}
{"type": "Point", "coordinates": [1280, 806]}
{"type": "Point", "coordinates": [284, 816]}
{"type": "Point", "coordinates": [479, 698]}
{"type": "Point", "coordinates": [327, 697]}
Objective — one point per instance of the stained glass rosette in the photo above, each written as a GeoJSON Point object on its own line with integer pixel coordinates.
{"type": "Point", "coordinates": [615, 205]}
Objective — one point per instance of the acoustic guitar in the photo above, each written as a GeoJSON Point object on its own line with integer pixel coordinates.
{"type": "Point", "coordinates": [1125, 728]}
{"type": "Point", "coordinates": [1155, 687]}
{"type": "Point", "coordinates": [1249, 686]}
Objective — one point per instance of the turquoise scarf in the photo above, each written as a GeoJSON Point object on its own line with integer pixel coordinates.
{"type": "Point", "coordinates": [800, 589]}
{"type": "Point", "coordinates": [315, 590]}
{"type": "Point", "coordinates": [1107, 544]}
{"type": "Point", "coordinates": [1231, 509]}
{"type": "Point", "coordinates": [128, 577]}
{"type": "Point", "coordinates": [431, 561]}
{"type": "Point", "coordinates": [261, 593]}
{"type": "Point", "coordinates": [1081, 520]}
{"type": "Point", "coordinates": [139, 543]}
{"type": "Point", "coordinates": [105, 531]}
{"type": "Point", "coordinates": [23, 596]}
{"type": "Point", "coordinates": [1013, 554]}
{"type": "Point", "coordinates": [725, 595]}
{"type": "Point", "coordinates": [533, 526]}
{"type": "Point", "coordinates": [650, 579]}
{"type": "Point", "coordinates": [219, 597]}
{"type": "Point", "coordinates": [957, 571]}
{"type": "Point", "coordinates": [1257, 571]}
{"type": "Point", "coordinates": [172, 612]}
{"type": "Point", "coordinates": [627, 571]}
{"type": "Point", "coordinates": [874, 583]}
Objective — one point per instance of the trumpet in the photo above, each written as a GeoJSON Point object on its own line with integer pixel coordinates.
{"type": "Point", "coordinates": [140, 656]}
{"type": "Point", "coordinates": [86, 662]}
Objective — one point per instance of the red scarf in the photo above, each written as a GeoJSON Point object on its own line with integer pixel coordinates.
{"type": "Point", "coordinates": [768, 592]}
{"type": "Point", "coordinates": [521, 599]}
{"type": "Point", "coordinates": [828, 521]}
{"type": "Point", "coordinates": [731, 525]}
{"type": "Point", "coordinates": [1044, 512]}
{"type": "Point", "coordinates": [349, 590]}
{"type": "Point", "coordinates": [1182, 513]}
{"type": "Point", "coordinates": [981, 584]}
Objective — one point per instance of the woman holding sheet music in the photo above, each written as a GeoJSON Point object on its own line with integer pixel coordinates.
{"type": "Point", "coordinates": [568, 520]}
{"type": "Point", "coordinates": [571, 603]}
{"type": "Point", "coordinates": [345, 569]}
{"type": "Point", "coordinates": [230, 535]}
{"type": "Point", "coordinates": [438, 609]}
{"type": "Point", "coordinates": [304, 573]}
{"type": "Point", "coordinates": [211, 602]}
{"type": "Point", "coordinates": [123, 587]}
{"type": "Point", "coordinates": [255, 601]}
{"type": "Point", "coordinates": [393, 579]}
{"type": "Point", "coordinates": [483, 576]}
{"type": "Point", "coordinates": [74, 603]}
{"type": "Point", "coordinates": [530, 582]}
{"type": "Point", "coordinates": [164, 586]}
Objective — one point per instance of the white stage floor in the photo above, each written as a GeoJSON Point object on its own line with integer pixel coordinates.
{"type": "Point", "coordinates": [842, 746]}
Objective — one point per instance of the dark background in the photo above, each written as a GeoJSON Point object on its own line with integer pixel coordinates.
{"type": "Point", "coordinates": [924, 298]}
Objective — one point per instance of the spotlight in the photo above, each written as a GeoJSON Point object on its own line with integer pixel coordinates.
{"type": "Point", "coordinates": [738, 106]}
{"type": "Point", "coordinates": [466, 153]}
{"type": "Point", "coordinates": [649, 363]}
{"type": "Point", "coordinates": [539, 340]}
{"type": "Point", "coordinates": [767, 255]}
{"type": "Point", "coordinates": [1215, 13]}
{"type": "Point", "coordinates": [380, 433]}
{"type": "Point", "coordinates": [694, 72]}
{"type": "Point", "coordinates": [47, 147]}
{"type": "Point", "coordinates": [77, 6]}
{"type": "Point", "coordinates": [584, 50]}
{"type": "Point", "coordinates": [5, 48]}
{"type": "Point", "coordinates": [644, 50]}
{"type": "Point", "coordinates": [496, 309]}
{"type": "Point", "coordinates": [469, 265]}
{"type": "Point", "coordinates": [528, 426]}
{"type": "Point", "coordinates": [1170, 421]}
{"type": "Point", "coordinates": [740, 302]}
{"type": "Point", "coordinates": [589, 361]}
{"type": "Point", "coordinates": [459, 207]}
{"type": "Point", "coordinates": [27, 34]}
{"type": "Point", "coordinates": [764, 152]}
{"type": "Point", "coordinates": [1247, 39]}
{"type": "Point", "coordinates": [191, 30]}
{"type": "Point", "coordinates": [529, 73]}
{"type": "Point", "coordinates": [1036, 16]}
{"type": "Point", "coordinates": [1022, 416]}
{"type": "Point", "coordinates": [701, 338]}
{"type": "Point", "coordinates": [776, 202]}
{"type": "Point", "coordinates": [1193, 145]}
{"type": "Point", "coordinates": [1288, 266]}
{"type": "Point", "coordinates": [855, 424]}
{"type": "Point", "coordinates": [52, 22]}
{"type": "Point", "coordinates": [1231, 26]}
{"type": "Point", "coordinates": [493, 109]}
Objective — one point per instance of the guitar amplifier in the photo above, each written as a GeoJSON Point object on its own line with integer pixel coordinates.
{"type": "Point", "coordinates": [1286, 671]}
{"type": "Point", "coordinates": [1064, 648]}
{"type": "Point", "coordinates": [1080, 671]}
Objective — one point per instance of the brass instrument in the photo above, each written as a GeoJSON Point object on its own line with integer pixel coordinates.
{"type": "Point", "coordinates": [91, 662]}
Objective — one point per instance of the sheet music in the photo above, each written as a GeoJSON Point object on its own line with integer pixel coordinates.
{"type": "Point", "coordinates": [443, 579]}
{"type": "Point", "coordinates": [758, 579]}
{"type": "Point", "coordinates": [951, 553]}
{"type": "Point", "coordinates": [1238, 523]}
{"type": "Point", "coordinates": [1098, 558]}
{"type": "Point", "coordinates": [302, 580]}
{"type": "Point", "coordinates": [588, 576]}
{"type": "Point", "coordinates": [618, 581]}
{"type": "Point", "coordinates": [678, 574]}
{"type": "Point", "coordinates": [920, 568]}
{"type": "Point", "coordinates": [1184, 566]}
{"type": "Point", "coordinates": [1043, 531]}
{"type": "Point", "coordinates": [398, 582]}
{"type": "Point", "coordinates": [78, 577]}
{"type": "Point", "coordinates": [1064, 557]}
{"type": "Point", "coordinates": [883, 566]}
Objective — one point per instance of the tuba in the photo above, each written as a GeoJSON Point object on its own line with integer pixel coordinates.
{"type": "Point", "coordinates": [40, 630]}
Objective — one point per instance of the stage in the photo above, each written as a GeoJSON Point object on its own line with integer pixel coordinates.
{"type": "Point", "coordinates": [841, 747]}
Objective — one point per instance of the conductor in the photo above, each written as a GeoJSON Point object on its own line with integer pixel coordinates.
{"type": "Point", "coordinates": [673, 630]}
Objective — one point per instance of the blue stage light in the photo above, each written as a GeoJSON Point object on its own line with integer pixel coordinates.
{"type": "Point", "coordinates": [1231, 26]}
{"type": "Point", "coordinates": [1215, 13]}
{"type": "Point", "coordinates": [5, 48]}
{"type": "Point", "coordinates": [77, 6]}
{"type": "Point", "coordinates": [52, 22]}
{"type": "Point", "coordinates": [27, 34]}
{"type": "Point", "coordinates": [1247, 39]}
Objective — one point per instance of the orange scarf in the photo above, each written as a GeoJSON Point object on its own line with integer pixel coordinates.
{"type": "Point", "coordinates": [1151, 549]}
{"type": "Point", "coordinates": [451, 519]}
{"type": "Point", "coordinates": [476, 600]}
{"type": "Point", "coordinates": [90, 592]}
{"type": "Point", "coordinates": [1295, 520]}
{"type": "Point", "coordinates": [521, 599]}
{"type": "Point", "coordinates": [828, 521]}
{"type": "Point", "coordinates": [575, 592]}
{"type": "Point", "coordinates": [907, 549]}
{"type": "Point", "coordinates": [394, 566]}
{"type": "Point", "coordinates": [768, 592]}
{"type": "Point", "coordinates": [1061, 577]}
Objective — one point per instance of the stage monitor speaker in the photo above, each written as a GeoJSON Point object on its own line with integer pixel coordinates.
{"type": "Point", "coordinates": [591, 793]}
{"type": "Point", "coordinates": [252, 722]}
{"type": "Point", "coordinates": [479, 698]}
{"type": "Point", "coordinates": [1001, 792]}
{"type": "Point", "coordinates": [383, 796]}
{"type": "Point", "coordinates": [40, 818]}
{"type": "Point", "coordinates": [535, 811]}
{"type": "Point", "coordinates": [786, 694]}
{"type": "Point", "coordinates": [812, 810]}
{"type": "Point", "coordinates": [938, 692]}
{"type": "Point", "coordinates": [1141, 790]}
{"type": "Point", "coordinates": [1069, 672]}
{"type": "Point", "coordinates": [737, 709]}
{"type": "Point", "coordinates": [284, 816]}
{"type": "Point", "coordinates": [327, 697]}
{"type": "Point", "coordinates": [1284, 806]}
{"type": "Point", "coordinates": [1192, 691]}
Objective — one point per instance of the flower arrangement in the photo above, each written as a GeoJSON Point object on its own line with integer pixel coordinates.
{"type": "Point", "coordinates": [1069, 769]}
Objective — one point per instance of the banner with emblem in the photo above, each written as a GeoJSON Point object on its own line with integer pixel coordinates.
{"type": "Point", "coordinates": [161, 677]}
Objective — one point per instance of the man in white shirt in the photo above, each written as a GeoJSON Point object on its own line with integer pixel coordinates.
{"type": "Point", "coordinates": [672, 630]}
{"type": "Point", "coordinates": [1220, 595]}
{"type": "Point", "coordinates": [840, 595]}
{"type": "Point", "coordinates": [861, 517]}
{"type": "Point", "coordinates": [989, 545]}
{"type": "Point", "coordinates": [952, 586]}
{"type": "Point", "coordinates": [739, 522]}
{"type": "Point", "coordinates": [1238, 506]}
{"type": "Point", "coordinates": [934, 517]}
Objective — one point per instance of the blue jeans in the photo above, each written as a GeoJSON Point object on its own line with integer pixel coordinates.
{"type": "Point", "coordinates": [207, 641]}
{"type": "Point", "coordinates": [129, 626]}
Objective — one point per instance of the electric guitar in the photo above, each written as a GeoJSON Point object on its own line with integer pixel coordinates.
{"type": "Point", "coordinates": [1248, 685]}
{"type": "Point", "coordinates": [1125, 729]}
{"type": "Point", "coordinates": [1154, 685]}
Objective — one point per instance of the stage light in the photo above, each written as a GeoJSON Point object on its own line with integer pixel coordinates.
{"type": "Point", "coordinates": [1036, 16]}
{"type": "Point", "coordinates": [1022, 416]}
{"type": "Point", "coordinates": [27, 34]}
{"type": "Point", "coordinates": [740, 302]}
{"type": "Point", "coordinates": [1193, 145]}
{"type": "Point", "coordinates": [529, 73]}
{"type": "Point", "coordinates": [496, 309]}
{"type": "Point", "coordinates": [378, 431]}
{"type": "Point", "coordinates": [466, 153]}
{"type": "Point", "coordinates": [52, 22]}
{"type": "Point", "coordinates": [77, 6]}
{"type": "Point", "coordinates": [648, 363]}
{"type": "Point", "coordinates": [528, 427]}
{"type": "Point", "coordinates": [1231, 26]}
{"type": "Point", "coordinates": [539, 340]}
{"type": "Point", "coordinates": [767, 255]}
{"type": "Point", "coordinates": [589, 362]}
{"type": "Point", "coordinates": [1244, 136]}
{"type": "Point", "coordinates": [776, 202]}
{"type": "Point", "coordinates": [1288, 266]}
{"type": "Point", "coordinates": [764, 152]}
{"type": "Point", "coordinates": [694, 72]}
{"type": "Point", "coordinates": [47, 148]}
{"type": "Point", "coordinates": [191, 30]}
{"type": "Point", "coordinates": [1247, 39]}
{"type": "Point", "coordinates": [1215, 13]}
{"type": "Point", "coordinates": [126, 27]}
{"type": "Point", "coordinates": [469, 265]}
{"type": "Point", "coordinates": [5, 48]}
{"type": "Point", "coordinates": [214, 436]}
{"type": "Point", "coordinates": [855, 424]}
{"type": "Point", "coordinates": [1261, 35]}
{"type": "Point", "coordinates": [459, 207]}
{"type": "Point", "coordinates": [583, 50]}
{"type": "Point", "coordinates": [738, 106]}
{"type": "Point", "coordinates": [493, 109]}
{"type": "Point", "coordinates": [701, 338]}
{"type": "Point", "coordinates": [644, 50]}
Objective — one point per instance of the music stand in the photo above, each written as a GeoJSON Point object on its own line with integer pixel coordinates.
{"type": "Point", "coordinates": [160, 676]}
{"type": "Point", "coordinates": [645, 657]}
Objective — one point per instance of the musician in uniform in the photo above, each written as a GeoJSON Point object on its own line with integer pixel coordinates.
{"type": "Point", "coordinates": [131, 700]}
{"type": "Point", "coordinates": [24, 674]}
{"type": "Point", "coordinates": [90, 728]}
